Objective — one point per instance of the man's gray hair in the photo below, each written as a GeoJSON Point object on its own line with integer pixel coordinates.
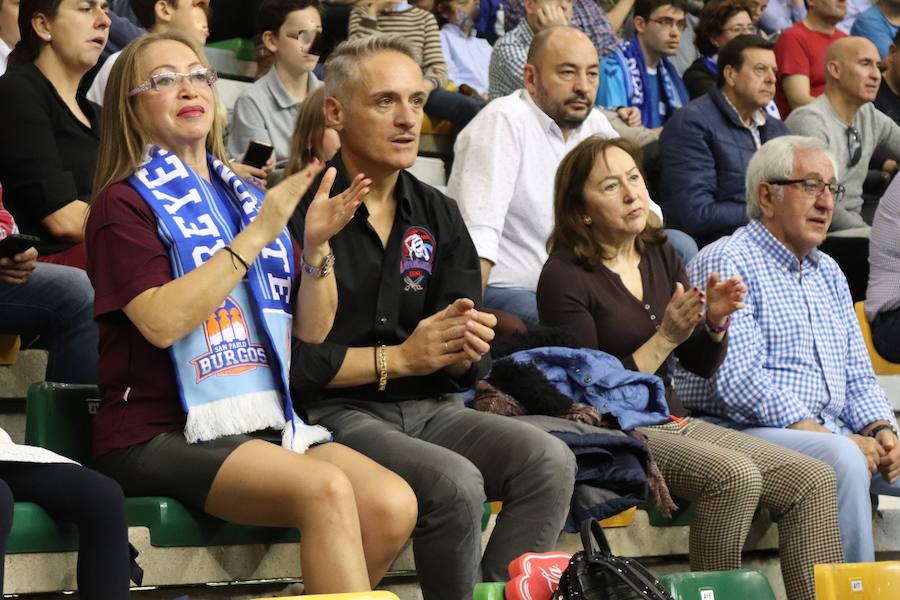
{"type": "Point", "coordinates": [342, 65]}
{"type": "Point", "coordinates": [775, 160]}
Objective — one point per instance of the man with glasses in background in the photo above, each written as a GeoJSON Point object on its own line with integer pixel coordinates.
{"type": "Point", "coordinates": [797, 371]}
{"type": "Point", "coordinates": [845, 119]}
{"type": "Point", "coordinates": [639, 73]}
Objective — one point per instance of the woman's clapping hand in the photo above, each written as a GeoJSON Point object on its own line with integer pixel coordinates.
{"type": "Point", "coordinates": [327, 216]}
{"type": "Point", "coordinates": [723, 297]}
{"type": "Point", "coordinates": [683, 313]}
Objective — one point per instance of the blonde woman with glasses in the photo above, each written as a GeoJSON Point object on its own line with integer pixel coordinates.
{"type": "Point", "coordinates": [197, 283]}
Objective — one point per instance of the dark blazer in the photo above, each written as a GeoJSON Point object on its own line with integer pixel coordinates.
{"type": "Point", "coordinates": [704, 151]}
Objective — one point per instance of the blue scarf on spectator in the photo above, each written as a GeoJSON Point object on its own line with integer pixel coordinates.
{"type": "Point", "coordinates": [674, 94]}
{"type": "Point", "coordinates": [232, 370]}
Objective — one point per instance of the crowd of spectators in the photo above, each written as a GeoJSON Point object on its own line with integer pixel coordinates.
{"type": "Point", "coordinates": [262, 358]}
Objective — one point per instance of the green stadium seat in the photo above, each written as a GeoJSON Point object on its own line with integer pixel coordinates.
{"type": "Point", "coordinates": [740, 584]}
{"type": "Point", "coordinates": [34, 530]}
{"type": "Point", "coordinates": [683, 516]}
{"type": "Point", "coordinates": [58, 417]}
{"type": "Point", "coordinates": [243, 49]}
{"type": "Point", "coordinates": [489, 591]}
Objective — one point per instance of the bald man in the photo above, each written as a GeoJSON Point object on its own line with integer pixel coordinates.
{"type": "Point", "coordinates": [849, 124]}
{"type": "Point", "coordinates": [506, 159]}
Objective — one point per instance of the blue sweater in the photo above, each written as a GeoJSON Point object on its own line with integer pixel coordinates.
{"type": "Point", "coordinates": [705, 150]}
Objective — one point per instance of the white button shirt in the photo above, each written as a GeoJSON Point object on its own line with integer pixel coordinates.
{"type": "Point", "coordinates": [503, 171]}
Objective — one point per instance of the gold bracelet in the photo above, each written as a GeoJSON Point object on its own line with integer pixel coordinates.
{"type": "Point", "coordinates": [382, 368]}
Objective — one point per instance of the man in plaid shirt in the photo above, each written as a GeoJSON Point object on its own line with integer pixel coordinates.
{"type": "Point", "coordinates": [797, 371]}
{"type": "Point", "coordinates": [587, 16]}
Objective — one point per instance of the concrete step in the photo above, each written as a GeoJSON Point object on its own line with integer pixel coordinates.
{"type": "Point", "coordinates": [29, 368]}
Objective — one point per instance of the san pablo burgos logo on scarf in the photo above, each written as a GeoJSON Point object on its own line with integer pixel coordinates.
{"type": "Point", "coordinates": [417, 257]}
{"type": "Point", "coordinates": [231, 351]}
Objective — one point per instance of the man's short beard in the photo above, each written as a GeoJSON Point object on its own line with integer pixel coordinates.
{"type": "Point", "coordinates": [557, 112]}
{"type": "Point", "coordinates": [566, 121]}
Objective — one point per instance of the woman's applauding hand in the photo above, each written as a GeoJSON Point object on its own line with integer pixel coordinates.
{"type": "Point", "coordinates": [723, 298]}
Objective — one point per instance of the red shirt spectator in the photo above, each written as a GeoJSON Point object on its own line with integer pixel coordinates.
{"type": "Point", "coordinates": [801, 51]}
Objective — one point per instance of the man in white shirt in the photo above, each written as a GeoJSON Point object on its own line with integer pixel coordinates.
{"type": "Point", "coordinates": [506, 160]}
{"type": "Point", "coordinates": [9, 30]}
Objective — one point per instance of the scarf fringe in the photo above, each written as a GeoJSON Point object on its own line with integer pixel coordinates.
{"type": "Point", "coordinates": [233, 416]}
{"type": "Point", "coordinates": [301, 436]}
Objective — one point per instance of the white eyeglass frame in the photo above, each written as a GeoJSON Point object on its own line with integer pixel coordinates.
{"type": "Point", "coordinates": [150, 84]}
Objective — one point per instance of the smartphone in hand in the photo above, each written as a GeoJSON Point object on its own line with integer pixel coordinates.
{"type": "Point", "coordinates": [257, 154]}
{"type": "Point", "coordinates": [16, 244]}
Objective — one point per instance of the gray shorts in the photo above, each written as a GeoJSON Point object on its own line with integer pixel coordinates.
{"type": "Point", "coordinates": [168, 465]}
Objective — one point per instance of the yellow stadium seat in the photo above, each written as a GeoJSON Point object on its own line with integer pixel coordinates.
{"type": "Point", "coordinates": [858, 581]}
{"type": "Point", "coordinates": [879, 364]}
{"type": "Point", "coordinates": [356, 596]}
{"type": "Point", "coordinates": [9, 349]}
{"type": "Point", "coordinates": [623, 519]}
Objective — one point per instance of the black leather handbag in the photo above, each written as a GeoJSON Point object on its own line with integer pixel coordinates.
{"type": "Point", "coordinates": [595, 574]}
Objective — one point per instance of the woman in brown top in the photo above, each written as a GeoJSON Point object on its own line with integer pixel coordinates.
{"type": "Point", "coordinates": [614, 281]}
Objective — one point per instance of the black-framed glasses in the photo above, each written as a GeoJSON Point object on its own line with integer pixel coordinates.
{"type": "Point", "coordinates": [813, 187]}
{"type": "Point", "coordinates": [854, 146]}
{"type": "Point", "coordinates": [170, 81]}
{"type": "Point", "coordinates": [669, 23]}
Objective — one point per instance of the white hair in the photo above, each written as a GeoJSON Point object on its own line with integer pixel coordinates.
{"type": "Point", "coordinates": [775, 160]}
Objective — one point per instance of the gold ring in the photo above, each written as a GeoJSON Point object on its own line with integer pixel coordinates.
{"type": "Point", "coordinates": [446, 348]}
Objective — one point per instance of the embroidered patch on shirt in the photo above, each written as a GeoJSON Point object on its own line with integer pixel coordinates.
{"type": "Point", "coordinates": [417, 257]}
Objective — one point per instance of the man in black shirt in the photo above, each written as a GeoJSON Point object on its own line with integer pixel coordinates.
{"type": "Point", "coordinates": [407, 335]}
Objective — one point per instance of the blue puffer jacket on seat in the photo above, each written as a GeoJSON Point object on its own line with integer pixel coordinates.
{"type": "Point", "coordinates": [599, 379]}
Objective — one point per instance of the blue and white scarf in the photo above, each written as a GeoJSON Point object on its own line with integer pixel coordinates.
{"type": "Point", "coordinates": [674, 94]}
{"type": "Point", "coordinates": [232, 370]}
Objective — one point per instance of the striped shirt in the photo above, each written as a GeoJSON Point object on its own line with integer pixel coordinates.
{"type": "Point", "coordinates": [883, 293]}
{"type": "Point", "coordinates": [416, 26]}
{"type": "Point", "coordinates": [795, 350]}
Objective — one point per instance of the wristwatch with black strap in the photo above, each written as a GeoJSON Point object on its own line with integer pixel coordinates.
{"type": "Point", "coordinates": [874, 431]}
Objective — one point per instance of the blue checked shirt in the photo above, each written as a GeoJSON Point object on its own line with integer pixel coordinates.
{"type": "Point", "coordinates": [587, 16]}
{"type": "Point", "coordinates": [795, 351]}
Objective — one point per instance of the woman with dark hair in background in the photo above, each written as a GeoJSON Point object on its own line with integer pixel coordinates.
{"type": "Point", "coordinates": [616, 283]}
{"type": "Point", "coordinates": [48, 131]}
{"type": "Point", "coordinates": [720, 22]}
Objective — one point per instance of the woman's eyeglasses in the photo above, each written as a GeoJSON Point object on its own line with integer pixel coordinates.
{"type": "Point", "coordinates": [171, 80]}
{"type": "Point", "coordinates": [748, 29]}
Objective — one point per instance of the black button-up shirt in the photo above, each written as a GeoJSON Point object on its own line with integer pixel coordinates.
{"type": "Point", "coordinates": [383, 293]}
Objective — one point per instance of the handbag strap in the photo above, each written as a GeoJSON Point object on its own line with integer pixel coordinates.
{"type": "Point", "coordinates": [591, 526]}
